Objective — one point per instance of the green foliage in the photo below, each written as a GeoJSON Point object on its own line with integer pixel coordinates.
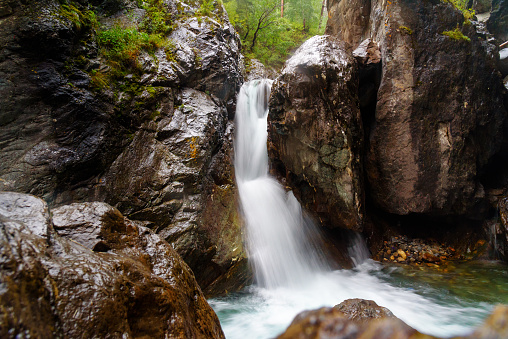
{"type": "Point", "coordinates": [461, 5]}
{"type": "Point", "coordinates": [80, 19]}
{"type": "Point", "coordinates": [456, 34]}
{"type": "Point", "coordinates": [157, 18]}
{"type": "Point", "coordinates": [206, 8]}
{"type": "Point", "coordinates": [269, 37]}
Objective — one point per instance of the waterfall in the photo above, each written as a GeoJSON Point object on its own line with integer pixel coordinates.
{"type": "Point", "coordinates": [278, 236]}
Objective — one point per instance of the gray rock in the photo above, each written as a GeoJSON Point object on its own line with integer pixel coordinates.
{"type": "Point", "coordinates": [315, 131]}
{"type": "Point", "coordinates": [89, 223]}
{"type": "Point", "coordinates": [27, 210]}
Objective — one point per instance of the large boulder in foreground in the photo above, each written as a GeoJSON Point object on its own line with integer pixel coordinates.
{"type": "Point", "coordinates": [315, 131]}
{"type": "Point", "coordinates": [439, 115]}
{"type": "Point", "coordinates": [55, 287]}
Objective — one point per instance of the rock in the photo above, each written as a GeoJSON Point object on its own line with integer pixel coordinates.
{"type": "Point", "coordinates": [209, 58]}
{"type": "Point", "coordinates": [362, 310]}
{"type": "Point", "coordinates": [348, 21]}
{"type": "Point", "coordinates": [495, 326]}
{"type": "Point", "coordinates": [25, 209]}
{"type": "Point", "coordinates": [354, 318]}
{"type": "Point", "coordinates": [75, 129]}
{"type": "Point", "coordinates": [435, 124]}
{"type": "Point", "coordinates": [62, 289]}
{"type": "Point", "coordinates": [256, 70]}
{"type": "Point", "coordinates": [482, 6]}
{"type": "Point", "coordinates": [91, 224]}
{"type": "Point", "coordinates": [498, 20]}
{"type": "Point", "coordinates": [503, 61]}
{"type": "Point", "coordinates": [178, 174]}
{"type": "Point", "coordinates": [402, 254]}
{"type": "Point", "coordinates": [315, 131]}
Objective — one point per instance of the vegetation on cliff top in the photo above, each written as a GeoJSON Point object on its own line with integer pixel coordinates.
{"type": "Point", "coordinates": [271, 29]}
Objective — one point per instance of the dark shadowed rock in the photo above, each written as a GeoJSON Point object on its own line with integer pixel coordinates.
{"type": "Point", "coordinates": [498, 20]}
{"type": "Point", "coordinates": [58, 288]}
{"type": "Point", "coordinates": [315, 131]}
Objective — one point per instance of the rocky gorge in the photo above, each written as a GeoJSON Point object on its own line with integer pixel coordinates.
{"type": "Point", "coordinates": [119, 209]}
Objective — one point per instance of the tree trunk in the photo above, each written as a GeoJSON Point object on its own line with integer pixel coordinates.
{"type": "Point", "coordinates": [323, 6]}
{"type": "Point", "coordinates": [281, 8]}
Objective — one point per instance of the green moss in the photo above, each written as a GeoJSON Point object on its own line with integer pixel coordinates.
{"type": "Point", "coordinates": [80, 19]}
{"type": "Point", "coordinates": [456, 34]}
{"type": "Point", "coordinates": [461, 5]}
{"type": "Point", "coordinates": [404, 29]}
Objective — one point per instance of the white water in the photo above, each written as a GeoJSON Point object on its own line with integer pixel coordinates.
{"type": "Point", "coordinates": [290, 275]}
{"type": "Point", "coordinates": [277, 236]}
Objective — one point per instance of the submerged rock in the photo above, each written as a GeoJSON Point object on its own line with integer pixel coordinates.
{"type": "Point", "coordinates": [315, 131]}
{"type": "Point", "coordinates": [59, 288]}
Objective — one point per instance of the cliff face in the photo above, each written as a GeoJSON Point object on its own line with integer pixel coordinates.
{"type": "Point", "coordinates": [131, 105]}
{"type": "Point", "coordinates": [439, 115]}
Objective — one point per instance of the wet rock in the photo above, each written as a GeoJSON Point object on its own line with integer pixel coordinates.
{"type": "Point", "coordinates": [90, 224]}
{"type": "Point", "coordinates": [495, 326]}
{"type": "Point", "coordinates": [363, 310]}
{"type": "Point", "coordinates": [178, 174]}
{"type": "Point", "coordinates": [482, 6]}
{"type": "Point", "coordinates": [130, 141]}
{"type": "Point", "coordinates": [435, 124]}
{"type": "Point", "coordinates": [315, 131]}
{"type": "Point", "coordinates": [498, 20]}
{"type": "Point", "coordinates": [26, 209]}
{"type": "Point", "coordinates": [58, 288]}
{"type": "Point", "coordinates": [256, 70]}
{"type": "Point", "coordinates": [353, 318]}
{"type": "Point", "coordinates": [209, 58]}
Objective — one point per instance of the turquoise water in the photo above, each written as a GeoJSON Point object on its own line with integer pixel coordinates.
{"type": "Point", "coordinates": [445, 301]}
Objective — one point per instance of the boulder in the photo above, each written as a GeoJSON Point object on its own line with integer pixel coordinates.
{"type": "Point", "coordinates": [315, 131]}
{"type": "Point", "coordinates": [358, 318]}
{"type": "Point", "coordinates": [503, 61]}
{"type": "Point", "coordinates": [59, 288]}
{"type": "Point", "coordinates": [353, 318]}
{"type": "Point", "coordinates": [436, 123]}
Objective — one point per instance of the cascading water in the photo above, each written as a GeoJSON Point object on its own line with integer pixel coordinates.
{"type": "Point", "coordinates": [277, 237]}
{"type": "Point", "coordinates": [292, 277]}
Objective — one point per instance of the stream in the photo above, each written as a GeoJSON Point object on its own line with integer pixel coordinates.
{"type": "Point", "coordinates": [292, 275]}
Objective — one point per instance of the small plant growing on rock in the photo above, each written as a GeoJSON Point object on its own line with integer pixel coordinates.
{"type": "Point", "coordinates": [456, 34]}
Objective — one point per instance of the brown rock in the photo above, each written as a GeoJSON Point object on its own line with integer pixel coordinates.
{"type": "Point", "coordinates": [58, 288]}
{"type": "Point", "coordinates": [436, 124]}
